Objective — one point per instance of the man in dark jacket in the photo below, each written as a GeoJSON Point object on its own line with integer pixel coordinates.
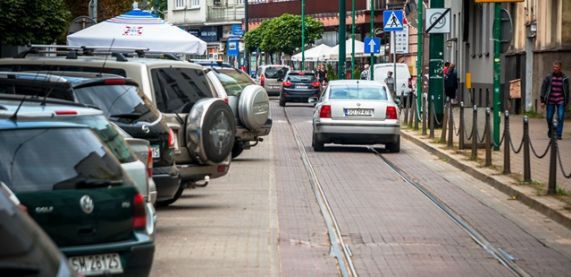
{"type": "Point", "coordinates": [451, 82]}
{"type": "Point", "coordinates": [555, 93]}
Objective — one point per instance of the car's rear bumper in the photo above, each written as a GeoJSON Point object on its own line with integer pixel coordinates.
{"type": "Point", "coordinates": [195, 172]}
{"type": "Point", "coordinates": [357, 134]}
{"type": "Point", "coordinates": [167, 181]}
{"type": "Point", "coordinates": [136, 256]}
{"type": "Point", "coordinates": [244, 134]}
{"type": "Point", "coordinates": [302, 95]}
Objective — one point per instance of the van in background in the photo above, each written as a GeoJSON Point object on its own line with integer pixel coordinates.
{"type": "Point", "coordinates": [402, 76]}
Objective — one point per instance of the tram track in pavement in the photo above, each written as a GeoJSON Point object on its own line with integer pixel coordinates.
{"type": "Point", "coordinates": [497, 253]}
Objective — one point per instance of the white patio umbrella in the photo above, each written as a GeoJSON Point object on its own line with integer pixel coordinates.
{"type": "Point", "coordinates": [315, 54]}
{"type": "Point", "coordinates": [138, 29]}
{"type": "Point", "coordinates": [333, 54]}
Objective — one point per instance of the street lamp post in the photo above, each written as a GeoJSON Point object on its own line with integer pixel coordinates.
{"type": "Point", "coordinates": [352, 39]}
{"type": "Point", "coordinates": [419, 52]}
{"type": "Point", "coordinates": [372, 35]}
{"type": "Point", "coordinates": [246, 50]}
{"type": "Point", "coordinates": [302, 35]}
{"type": "Point", "coordinates": [342, 30]}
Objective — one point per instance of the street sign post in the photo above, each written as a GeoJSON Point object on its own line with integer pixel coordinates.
{"type": "Point", "coordinates": [438, 21]}
{"type": "Point", "coordinates": [401, 42]}
{"type": "Point", "coordinates": [393, 20]}
{"type": "Point", "coordinates": [233, 49]}
{"type": "Point", "coordinates": [372, 45]}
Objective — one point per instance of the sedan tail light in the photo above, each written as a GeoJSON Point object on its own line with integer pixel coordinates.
{"type": "Point", "coordinates": [325, 111]}
{"type": "Point", "coordinates": [316, 84]}
{"type": "Point", "coordinates": [139, 214]}
{"type": "Point", "coordinates": [287, 84]}
{"type": "Point", "coordinates": [150, 163]}
{"type": "Point", "coordinates": [391, 112]}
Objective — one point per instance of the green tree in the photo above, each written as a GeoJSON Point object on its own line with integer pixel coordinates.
{"type": "Point", "coordinates": [32, 21]}
{"type": "Point", "coordinates": [253, 38]}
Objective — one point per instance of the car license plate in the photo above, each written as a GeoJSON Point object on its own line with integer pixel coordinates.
{"type": "Point", "coordinates": [97, 264]}
{"type": "Point", "coordinates": [358, 112]}
{"type": "Point", "coordinates": [156, 151]}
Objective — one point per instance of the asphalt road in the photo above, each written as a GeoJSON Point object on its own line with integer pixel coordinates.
{"type": "Point", "coordinates": [264, 219]}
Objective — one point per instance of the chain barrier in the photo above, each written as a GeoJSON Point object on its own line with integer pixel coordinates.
{"type": "Point", "coordinates": [481, 141]}
{"type": "Point", "coordinates": [434, 114]}
{"type": "Point", "coordinates": [567, 176]}
{"type": "Point", "coordinates": [519, 147]}
{"type": "Point", "coordinates": [535, 153]}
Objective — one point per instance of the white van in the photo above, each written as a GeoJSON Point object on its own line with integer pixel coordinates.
{"type": "Point", "coordinates": [402, 76]}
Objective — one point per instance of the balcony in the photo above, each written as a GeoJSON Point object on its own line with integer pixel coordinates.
{"type": "Point", "coordinates": [225, 11]}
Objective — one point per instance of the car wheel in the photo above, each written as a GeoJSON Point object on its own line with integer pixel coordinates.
{"type": "Point", "coordinates": [176, 196]}
{"type": "Point", "coordinates": [237, 149]}
{"type": "Point", "coordinates": [317, 144]}
{"type": "Point", "coordinates": [282, 102]}
{"type": "Point", "coordinates": [394, 147]}
{"type": "Point", "coordinates": [254, 107]}
{"type": "Point", "coordinates": [210, 131]}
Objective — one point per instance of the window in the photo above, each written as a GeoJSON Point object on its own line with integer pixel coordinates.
{"type": "Point", "coordinates": [180, 4]}
{"type": "Point", "coordinates": [358, 93]}
{"type": "Point", "coordinates": [234, 81]}
{"type": "Point", "coordinates": [195, 3]}
{"type": "Point", "coordinates": [178, 89]}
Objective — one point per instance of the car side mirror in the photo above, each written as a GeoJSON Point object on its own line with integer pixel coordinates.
{"type": "Point", "coordinates": [397, 100]}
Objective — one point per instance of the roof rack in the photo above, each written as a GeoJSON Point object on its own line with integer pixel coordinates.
{"type": "Point", "coordinates": [120, 53]}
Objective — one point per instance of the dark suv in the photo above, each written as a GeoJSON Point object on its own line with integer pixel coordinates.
{"type": "Point", "coordinates": [299, 86]}
{"type": "Point", "coordinates": [74, 188]}
{"type": "Point", "coordinates": [121, 102]}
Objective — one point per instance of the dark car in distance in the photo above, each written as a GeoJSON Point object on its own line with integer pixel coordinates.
{"type": "Point", "coordinates": [74, 188]}
{"type": "Point", "coordinates": [299, 86]}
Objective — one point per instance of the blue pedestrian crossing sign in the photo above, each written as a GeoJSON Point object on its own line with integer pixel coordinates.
{"type": "Point", "coordinates": [372, 45]}
{"type": "Point", "coordinates": [393, 20]}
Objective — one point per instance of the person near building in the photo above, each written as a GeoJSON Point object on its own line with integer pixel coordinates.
{"type": "Point", "coordinates": [321, 73]}
{"type": "Point", "coordinates": [555, 94]}
{"type": "Point", "coordinates": [445, 69]}
{"type": "Point", "coordinates": [365, 72]}
{"type": "Point", "coordinates": [451, 83]}
{"type": "Point", "coordinates": [390, 81]}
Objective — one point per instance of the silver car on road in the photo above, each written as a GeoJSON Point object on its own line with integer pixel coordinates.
{"type": "Point", "coordinates": [356, 112]}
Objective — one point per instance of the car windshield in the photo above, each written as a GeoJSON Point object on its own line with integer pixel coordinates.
{"type": "Point", "coordinates": [298, 78]}
{"type": "Point", "coordinates": [120, 101]}
{"type": "Point", "coordinates": [233, 81]}
{"type": "Point", "coordinates": [357, 93]}
{"type": "Point", "coordinates": [54, 158]}
{"type": "Point", "coordinates": [274, 72]}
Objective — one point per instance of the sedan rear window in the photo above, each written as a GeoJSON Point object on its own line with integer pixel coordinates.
{"type": "Point", "coordinates": [358, 93]}
{"type": "Point", "coordinates": [55, 158]}
{"type": "Point", "coordinates": [119, 101]}
{"type": "Point", "coordinates": [305, 78]}
{"type": "Point", "coordinates": [273, 72]}
{"type": "Point", "coordinates": [233, 81]}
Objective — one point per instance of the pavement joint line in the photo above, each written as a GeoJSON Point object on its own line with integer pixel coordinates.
{"type": "Point", "coordinates": [499, 254]}
{"type": "Point", "coordinates": [273, 220]}
{"type": "Point", "coordinates": [338, 247]}
{"type": "Point", "coordinates": [493, 181]}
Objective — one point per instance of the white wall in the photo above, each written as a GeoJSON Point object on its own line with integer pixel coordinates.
{"type": "Point", "coordinates": [186, 16]}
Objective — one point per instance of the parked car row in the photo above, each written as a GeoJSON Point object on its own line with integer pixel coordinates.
{"type": "Point", "coordinates": [89, 143]}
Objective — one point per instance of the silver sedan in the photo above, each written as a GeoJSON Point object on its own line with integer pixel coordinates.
{"type": "Point", "coordinates": [356, 112]}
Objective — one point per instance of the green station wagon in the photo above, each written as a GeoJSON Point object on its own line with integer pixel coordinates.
{"type": "Point", "coordinates": [75, 189]}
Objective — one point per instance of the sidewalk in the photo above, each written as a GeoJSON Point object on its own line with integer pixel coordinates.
{"type": "Point", "coordinates": [557, 208]}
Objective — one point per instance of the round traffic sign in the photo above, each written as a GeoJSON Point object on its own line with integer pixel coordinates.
{"type": "Point", "coordinates": [435, 17]}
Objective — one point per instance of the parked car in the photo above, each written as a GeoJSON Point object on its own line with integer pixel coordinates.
{"type": "Point", "coordinates": [402, 77]}
{"type": "Point", "coordinates": [356, 112]}
{"type": "Point", "coordinates": [202, 124]}
{"type": "Point", "coordinates": [75, 189]}
{"type": "Point", "coordinates": [249, 103]}
{"type": "Point", "coordinates": [299, 86]}
{"type": "Point", "coordinates": [120, 100]}
{"type": "Point", "coordinates": [26, 250]}
{"type": "Point", "coordinates": [270, 77]}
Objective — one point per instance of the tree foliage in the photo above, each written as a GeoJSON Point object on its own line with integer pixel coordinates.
{"type": "Point", "coordinates": [283, 34]}
{"type": "Point", "coordinates": [32, 21]}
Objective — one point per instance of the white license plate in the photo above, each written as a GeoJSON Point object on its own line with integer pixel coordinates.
{"type": "Point", "coordinates": [97, 264]}
{"type": "Point", "coordinates": [156, 151]}
{"type": "Point", "coordinates": [358, 112]}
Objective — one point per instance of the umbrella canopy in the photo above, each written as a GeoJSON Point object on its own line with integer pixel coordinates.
{"type": "Point", "coordinates": [315, 54]}
{"type": "Point", "coordinates": [138, 29]}
{"type": "Point", "coordinates": [333, 54]}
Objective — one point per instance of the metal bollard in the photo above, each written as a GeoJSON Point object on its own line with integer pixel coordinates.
{"type": "Point", "coordinates": [461, 127]}
{"type": "Point", "coordinates": [410, 110]}
{"type": "Point", "coordinates": [450, 127]}
{"type": "Point", "coordinates": [551, 185]}
{"type": "Point", "coordinates": [507, 166]}
{"type": "Point", "coordinates": [474, 135]}
{"type": "Point", "coordinates": [526, 155]}
{"type": "Point", "coordinates": [431, 115]}
{"type": "Point", "coordinates": [444, 121]}
{"type": "Point", "coordinates": [415, 111]}
{"type": "Point", "coordinates": [488, 134]}
{"type": "Point", "coordinates": [406, 109]}
{"type": "Point", "coordinates": [424, 113]}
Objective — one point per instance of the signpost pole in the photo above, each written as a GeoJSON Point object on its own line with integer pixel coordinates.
{"type": "Point", "coordinates": [342, 39]}
{"type": "Point", "coordinates": [394, 35]}
{"type": "Point", "coordinates": [419, 52]}
{"type": "Point", "coordinates": [372, 34]}
{"type": "Point", "coordinates": [246, 50]}
{"type": "Point", "coordinates": [352, 39]}
{"type": "Point", "coordinates": [497, 68]}
{"type": "Point", "coordinates": [302, 35]}
{"type": "Point", "coordinates": [436, 61]}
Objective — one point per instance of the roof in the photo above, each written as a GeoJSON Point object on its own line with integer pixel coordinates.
{"type": "Point", "coordinates": [7, 124]}
{"type": "Point", "coordinates": [105, 60]}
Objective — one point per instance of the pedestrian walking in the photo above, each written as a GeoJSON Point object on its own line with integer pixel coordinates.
{"type": "Point", "coordinates": [365, 72]}
{"type": "Point", "coordinates": [322, 74]}
{"type": "Point", "coordinates": [451, 83]}
{"type": "Point", "coordinates": [390, 81]}
{"type": "Point", "coordinates": [555, 93]}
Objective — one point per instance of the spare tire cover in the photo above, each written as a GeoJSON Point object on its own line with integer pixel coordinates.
{"type": "Point", "coordinates": [254, 107]}
{"type": "Point", "coordinates": [210, 131]}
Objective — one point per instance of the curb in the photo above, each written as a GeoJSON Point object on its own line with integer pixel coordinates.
{"type": "Point", "coordinates": [557, 215]}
